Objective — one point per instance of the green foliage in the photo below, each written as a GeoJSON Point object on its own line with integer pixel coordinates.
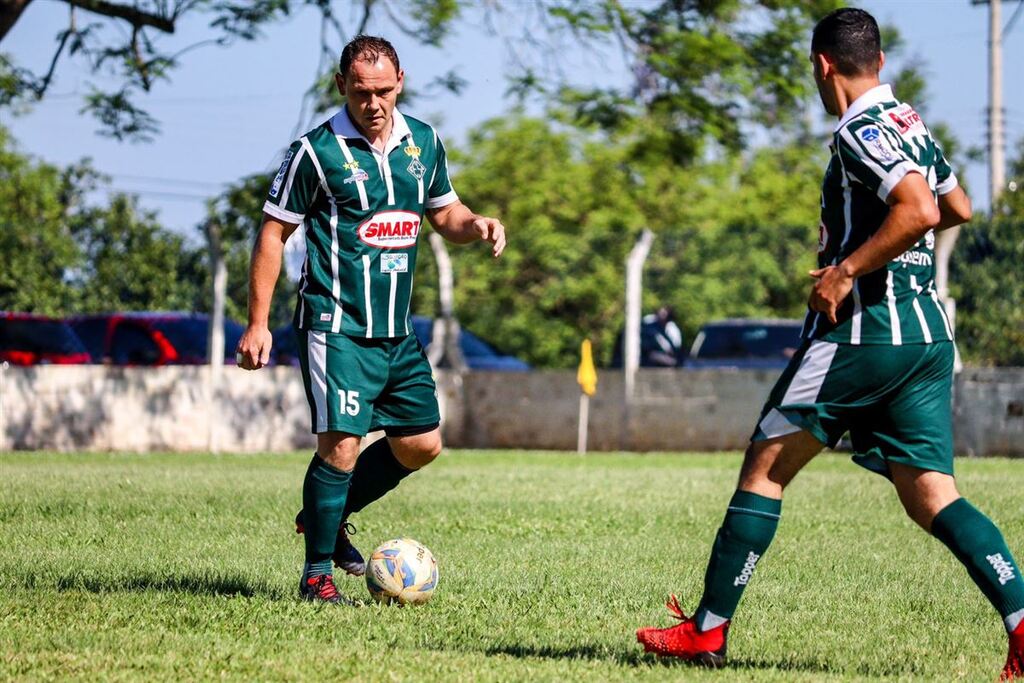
{"type": "Point", "coordinates": [733, 237]}
{"type": "Point", "coordinates": [60, 254]}
{"type": "Point", "coordinates": [237, 213]}
{"type": "Point", "coordinates": [985, 280]}
{"type": "Point", "coordinates": [703, 71]}
{"type": "Point", "coordinates": [37, 247]}
{"type": "Point", "coordinates": [128, 43]}
{"type": "Point", "coordinates": [180, 566]}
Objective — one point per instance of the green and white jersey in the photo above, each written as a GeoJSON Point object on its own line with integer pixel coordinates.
{"type": "Point", "coordinates": [361, 212]}
{"type": "Point", "coordinates": [876, 143]}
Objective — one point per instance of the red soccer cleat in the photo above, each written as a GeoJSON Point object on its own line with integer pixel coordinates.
{"type": "Point", "coordinates": [685, 640]}
{"type": "Point", "coordinates": [1014, 669]}
{"type": "Point", "coordinates": [319, 589]}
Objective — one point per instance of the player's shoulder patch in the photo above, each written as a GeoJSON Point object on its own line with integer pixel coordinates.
{"type": "Point", "coordinates": [869, 137]}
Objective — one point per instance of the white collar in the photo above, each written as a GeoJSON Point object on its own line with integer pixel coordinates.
{"type": "Point", "coordinates": [341, 124]}
{"type": "Point", "coordinates": [880, 93]}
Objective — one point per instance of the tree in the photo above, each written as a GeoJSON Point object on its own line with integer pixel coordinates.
{"type": "Point", "coordinates": [986, 279]}
{"type": "Point", "coordinates": [128, 41]}
{"type": "Point", "coordinates": [237, 212]}
{"type": "Point", "coordinates": [734, 237]}
{"type": "Point", "coordinates": [60, 254]}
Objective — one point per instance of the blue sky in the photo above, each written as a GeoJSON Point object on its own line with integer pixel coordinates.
{"type": "Point", "coordinates": [228, 112]}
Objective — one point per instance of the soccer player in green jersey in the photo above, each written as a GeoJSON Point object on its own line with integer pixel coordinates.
{"type": "Point", "coordinates": [358, 185]}
{"type": "Point", "coordinates": [877, 356]}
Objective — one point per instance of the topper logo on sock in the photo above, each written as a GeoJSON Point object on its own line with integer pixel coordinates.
{"type": "Point", "coordinates": [748, 570]}
{"type": "Point", "coordinates": [1003, 568]}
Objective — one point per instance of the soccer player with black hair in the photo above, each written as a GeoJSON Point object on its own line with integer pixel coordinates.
{"type": "Point", "coordinates": [877, 355]}
{"type": "Point", "coordinates": [359, 186]}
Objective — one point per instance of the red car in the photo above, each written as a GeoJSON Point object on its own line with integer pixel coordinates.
{"type": "Point", "coordinates": [151, 338]}
{"type": "Point", "coordinates": [30, 339]}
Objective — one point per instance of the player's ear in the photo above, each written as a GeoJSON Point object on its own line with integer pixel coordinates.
{"type": "Point", "coordinates": [401, 82]}
{"type": "Point", "coordinates": [881, 59]}
{"type": "Point", "coordinates": [339, 80]}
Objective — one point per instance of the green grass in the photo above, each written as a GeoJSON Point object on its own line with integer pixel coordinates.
{"type": "Point", "coordinates": [184, 567]}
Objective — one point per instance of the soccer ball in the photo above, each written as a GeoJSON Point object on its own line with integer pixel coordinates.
{"type": "Point", "coordinates": [401, 570]}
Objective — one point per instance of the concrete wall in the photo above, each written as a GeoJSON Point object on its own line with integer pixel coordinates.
{"type": "Point", "coordinates": [100, 408]}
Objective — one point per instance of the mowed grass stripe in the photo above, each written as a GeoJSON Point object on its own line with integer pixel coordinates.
{"type": "Point", "coordinates": [169, 566]}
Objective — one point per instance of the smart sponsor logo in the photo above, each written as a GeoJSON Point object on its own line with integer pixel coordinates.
{"type": "Point", "coordinates": [391, 230]}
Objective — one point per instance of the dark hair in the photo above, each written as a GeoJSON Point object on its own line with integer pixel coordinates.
{"type": "Point", "coordinates": [851, 39]}
{"type": "Point", "coordinates": [367, 49]}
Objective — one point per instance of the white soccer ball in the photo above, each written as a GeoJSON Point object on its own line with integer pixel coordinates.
{"type": "Point", "coordinates": [401, 570]}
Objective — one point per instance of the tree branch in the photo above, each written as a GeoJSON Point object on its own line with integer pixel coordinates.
{"type": "Point", "coordinates": [132, 15]}
{"type": "Point", "coordinates": [10, 10]}
{"type": "Point", "coordinates": [40, 89]}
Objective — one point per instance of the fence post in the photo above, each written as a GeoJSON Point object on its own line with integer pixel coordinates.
{"type": "Point", "coordinates": [215, 333]}
{"type": "Point", "coordinates": [631, 347]}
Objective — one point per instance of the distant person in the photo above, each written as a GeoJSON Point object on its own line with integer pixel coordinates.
{"type": "Point", "coordinates": [666, 340]}
{"type": "Point", "coordinates": [661, 341]}
{"type": "Point", "coordinates": [359, 184]}
{"type": "Point", "coordinates": [877, 355]}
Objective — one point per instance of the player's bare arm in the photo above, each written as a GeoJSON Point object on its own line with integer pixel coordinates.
{"type": "Point", "coordinates": [253, 350]}
{"type": "Point", "coordinates": [912, 214]}
{"type": "Point", "coordinates": [456, 223]}
{"type": "Point", "coordinates": [954, 209]}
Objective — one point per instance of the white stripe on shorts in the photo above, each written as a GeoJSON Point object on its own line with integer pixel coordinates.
{"type": "Point", "coordinates": [316, 348]}
{"type": "Point", "coordinates": [804, 387]}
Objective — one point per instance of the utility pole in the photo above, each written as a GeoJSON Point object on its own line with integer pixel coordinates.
{"type": "Point", "coordinates": [996, 159]}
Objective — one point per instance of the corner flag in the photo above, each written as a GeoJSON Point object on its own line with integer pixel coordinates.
{"type": "Point", "coordinates": [587, 374]}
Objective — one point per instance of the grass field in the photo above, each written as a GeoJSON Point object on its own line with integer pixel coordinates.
{"type": "Point", "coordinates": [185, 567]}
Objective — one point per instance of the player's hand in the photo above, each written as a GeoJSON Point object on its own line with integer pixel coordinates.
{"type": "Point", "coordinates": [253, 350]}
{"type": "Point", "coordinates": [829, 291]}
{"type": "Point", "coordinates": [491, 230]}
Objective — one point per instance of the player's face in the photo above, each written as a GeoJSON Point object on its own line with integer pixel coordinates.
{"type": "Point", "coordinates": [371, 90]}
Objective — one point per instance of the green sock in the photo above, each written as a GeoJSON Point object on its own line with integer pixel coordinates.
{"type": "Point", "coordinates": [377, 472]}
{"type": "Point", "coordinates": [323, 500]}
{"type": "Point", "coordinates": [979, 545]}
{"type": "Point", "coordinates": [745, 534]}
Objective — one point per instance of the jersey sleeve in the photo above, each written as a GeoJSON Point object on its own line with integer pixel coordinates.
{"type": "Point", "coordinates": [441, 192]}
{"type": "Point", "coordinates": [295, 186]}
{"type": "Point", "coordinates": [869, 155]}
{"type": "Point", "coordinates": [945, 179]}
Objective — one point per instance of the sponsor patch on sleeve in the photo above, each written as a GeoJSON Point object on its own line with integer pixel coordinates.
{"type": "Point", "coordinates": [275, 189]}
{"type": "Point", "coordinates": [877, 145]}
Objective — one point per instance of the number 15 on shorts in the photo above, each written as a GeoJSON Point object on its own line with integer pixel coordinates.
{"type": "Point", "coordinates": [349, 402]}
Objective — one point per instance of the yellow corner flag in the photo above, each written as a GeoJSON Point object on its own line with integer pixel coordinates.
{"type": "Point", "coordinates": [587, 374]}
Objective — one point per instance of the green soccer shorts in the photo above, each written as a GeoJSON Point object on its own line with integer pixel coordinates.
{"type": "Point", "coordinates": [895, 401]}
{"type": "Point", "coordinates": [356, 385]}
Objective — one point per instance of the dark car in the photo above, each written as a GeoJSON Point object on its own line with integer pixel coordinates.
{"type": "Point", "coordinates": [158, 338]}
{"type": "Point", "coordinates": [29, 339]}
{"type": "Point", "coordinates": [745, 343]}
{"type": "Point", "coordinates": [479, 354]}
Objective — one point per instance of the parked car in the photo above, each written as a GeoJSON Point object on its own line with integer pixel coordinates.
{"type": "Point", "coordinates": [479, 354]}
{"type": "Point", "coordinates": [745, 343]}
{"type": "Point", "coordinates": [29, 339]}
{"type": "Point", "coordinates": [152, 338]}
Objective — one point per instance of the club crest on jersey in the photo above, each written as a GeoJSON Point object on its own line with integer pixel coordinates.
{"type": "Point", "coordinates": [415, 168]}
{"type": "Point", "coordinates": [390, 230]}
{"type": "Point", "coordinates": [358, 174]}
{"type": "Point", "coordinates": [870, 134]}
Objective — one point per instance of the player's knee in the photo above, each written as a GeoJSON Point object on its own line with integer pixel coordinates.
{"type": "Point", "coordinates": [418, 451]}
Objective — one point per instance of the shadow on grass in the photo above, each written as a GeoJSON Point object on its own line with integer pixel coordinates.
{"type": "Point", "coordinates": [637, 658]}
{"type": "Point", "coordinates": [192, 583]}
